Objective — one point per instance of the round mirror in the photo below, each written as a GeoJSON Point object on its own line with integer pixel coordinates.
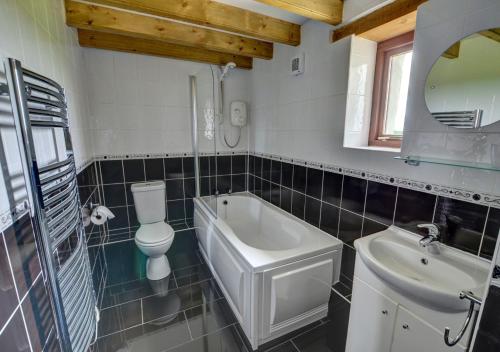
{"type": "Point", "coordinates": [463, 87]}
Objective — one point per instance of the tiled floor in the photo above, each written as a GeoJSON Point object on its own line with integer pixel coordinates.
{"type": "Point", "coordinates": [187, 312]}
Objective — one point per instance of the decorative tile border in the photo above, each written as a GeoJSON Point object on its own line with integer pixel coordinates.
{"type": "Point", "coordinates": [450, 192]}
{"type": "Point", "coordinates": [164, 155]}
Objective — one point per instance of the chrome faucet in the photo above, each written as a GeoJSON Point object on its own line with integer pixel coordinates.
{"type": "Point", "coordinates": [432, 234]}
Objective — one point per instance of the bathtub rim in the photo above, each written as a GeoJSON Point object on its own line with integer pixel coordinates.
{"type": "Point", "coordinates": [255, 258]}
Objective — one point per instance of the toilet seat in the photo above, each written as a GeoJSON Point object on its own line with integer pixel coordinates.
{"type": "Point", "coordinates": [154, 234]}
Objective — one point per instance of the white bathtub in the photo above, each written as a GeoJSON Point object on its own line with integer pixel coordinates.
{"type": "Point", "coordinates": [275, 270]}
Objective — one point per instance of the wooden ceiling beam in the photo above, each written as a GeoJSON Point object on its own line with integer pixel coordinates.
{"type": "Point", "coordinates": [329, 11]}
{"type": "Point", "coordinates": [105, 19]}
{"type": "Point", "coordinates": [116, 42]}
{"type": "Point", "coordinates": [493, 34]}
{"type": "Point", "coordinates": [215, 15]}
{"type": "Point", "coordinates": [377, 18]}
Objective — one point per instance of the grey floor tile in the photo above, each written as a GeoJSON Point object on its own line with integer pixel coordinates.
{"type": "Point", "coordinates": [225, 340]}
{"type": "Point", "coordinates": [209, 317]}
{"type": "Point", "coordinates": [187, 297]}
{"type": "Point", "coordinates": [119, 318]}
{"type": "Point", "coordinates": [155, 336]}
{"type": "Point", "coordinates": [284, 347]}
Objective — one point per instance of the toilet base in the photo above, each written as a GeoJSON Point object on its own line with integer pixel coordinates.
{"type": "Point", "coordinates": [157, 268]}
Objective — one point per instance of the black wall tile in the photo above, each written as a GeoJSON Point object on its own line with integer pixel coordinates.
{"type": "Point", "coordinates": [251, 164]}
{"type": "Point", "coordinates": [238, 182]}
{"type": "Point", "coordinates": [251, 183]}
{"type": "Point", "coordinates": [14, 337]}
{"type": "Point", "coordinates": [348, 260]}
{"type": "Point", "coordinates": [189, 188]}
{"type": "Point", "coordinates": [488, 339]}
{"type": "Point", "coordinates": [413, 208]}
{"type": "Point", "coordinates": [332, 188]}
{"type": "Point", "coordinates": [8, 298]}
{"type": "Point", "coordinates": [287, 174]}
{"type": "Point", "coordinates": [491, 233]}
{"type": "Point", "coordinates": [223, 184]}
{"type": "Point", "coordinates": [258, 166]}
{"type": "Point", "coordinates": [38, 315]}
{"type": "Point", "coordinates": [173, 168]}
{"type": "Point", "coordinates": [314, 183]}
{"type": "Point", "coordinates": [23, 255]}
{"type": "Point", "coordinates": [370, 227]}
{"type": "Point", "coordinates": [461, 223]}
{"type": "Point", "coordinates": [223, 165]}
{"type": "Point", "coordinates": [298, 203]}
{"type": "Point", "coordinates": [266, 190]}
{"type": "Point", "coordinates": [266, 169]}
{"type": "Point", "coordinates": [299, 178]}
{"type": "Point", "coordinates": [353, 194]}
{"type": "Point", "coordinates": [134, 170]}
{"type": "Point", "coordinates": [204, 166]}
{"type": "Point", "coordinates": [120, 220]}
{"type": "Point", "coordinates": [188, 166]}
{"type": "Point", "coordinates": [189, 205]}
{"type": "Point", "coordinates": [312, 212]}
{"type": "Point", "coordinates": [111, 171]}
{"type": "Point", "coordinates": [114, 195]}
{"type": "Point", "coordinates": [154, 169]}
{"type": "Point", "coordinates": [276, 171]}
{"type": "Point", "coordinates": [380, 202]}
{"type": "Point", "coordinates": [175, 189]}
{"type": "Point", "coordinates": [286, 199]}
{"type": "Point", "coordinates": [349, 227]}
{"type": "Point", "coordinates": [239, 163]}
{"type": "Point", "coordinates": [132, 217]}
{"type": "Point", "coordinates": [175, 210]}
{"type": "Point", "coordinates": [330, 219]}
{"type": "Point", "coordinates": [258, 186]}
{"type": "Point", "coordinates": [275, 194]}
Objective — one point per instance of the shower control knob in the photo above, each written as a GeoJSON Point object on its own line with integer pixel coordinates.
{"type": "Point", "coordinates": [385, 312]}
{"type": "Point", "coordinates": [406, 327]}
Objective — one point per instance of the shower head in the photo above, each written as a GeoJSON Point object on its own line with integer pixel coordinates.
{"type": "Point", "coordinates": [225, 69]}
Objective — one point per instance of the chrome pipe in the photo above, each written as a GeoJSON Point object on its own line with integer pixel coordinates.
{"type": "Point", "coordinates": [17, 91]}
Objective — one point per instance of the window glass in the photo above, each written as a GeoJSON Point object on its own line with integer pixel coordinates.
{"type": "Point", "coordinates": [397, 93]}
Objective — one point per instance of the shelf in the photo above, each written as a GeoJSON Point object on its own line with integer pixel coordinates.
{"type": "Point", "coordinates": [417, 160]}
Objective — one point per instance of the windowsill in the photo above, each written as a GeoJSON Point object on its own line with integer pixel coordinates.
{"type": "Point", "coordinates": [376, 149]}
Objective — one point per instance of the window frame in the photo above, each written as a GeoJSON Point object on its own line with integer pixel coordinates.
{"type": "Point", "coordinates": [385, 50]}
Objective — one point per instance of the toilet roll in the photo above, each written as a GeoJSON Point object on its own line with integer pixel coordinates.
{"type": "Point", "coordinates": [100, 215]}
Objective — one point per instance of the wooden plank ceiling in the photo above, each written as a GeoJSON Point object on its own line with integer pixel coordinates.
{"type": "Point", "coordinates": [196, 30]}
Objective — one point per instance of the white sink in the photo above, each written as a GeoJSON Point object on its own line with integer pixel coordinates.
{"type": "Point", "coordinates": [396, 257]}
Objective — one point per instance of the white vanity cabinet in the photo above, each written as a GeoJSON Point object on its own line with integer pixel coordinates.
{"type": "Point", "coordinates": [412, 334]}
{"type": "Point", "coordinates": [379, 324]}
{"type": "Point", "coordinates": [373, 318]}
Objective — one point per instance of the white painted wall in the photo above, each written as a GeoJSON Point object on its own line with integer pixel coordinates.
{"type": "Point", "coordinates": [35, 33]}
{"type": "Point", "coordinates": [141, 104]}
{"type": "Point", "coordinates": [303, 117]}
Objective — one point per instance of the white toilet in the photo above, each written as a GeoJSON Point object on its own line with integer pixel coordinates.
{"type": "Point", "coordinates": [154, 237]}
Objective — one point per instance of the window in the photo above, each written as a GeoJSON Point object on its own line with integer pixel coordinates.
{"type": "Point", "coordinates": [390, 91]}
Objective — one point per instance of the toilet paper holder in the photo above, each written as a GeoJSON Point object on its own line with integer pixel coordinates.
{"type": "Point", "coordinates": [88, 210]}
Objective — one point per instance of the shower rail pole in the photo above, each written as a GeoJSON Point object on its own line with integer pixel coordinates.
{"type": "Point", "coordinates": [194, 133]}
{"type": "Point", "coordinates": [17, 93]}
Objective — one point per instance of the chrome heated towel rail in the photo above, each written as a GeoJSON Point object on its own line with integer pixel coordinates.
{"type": "Point", "coordinates": [38, 103]}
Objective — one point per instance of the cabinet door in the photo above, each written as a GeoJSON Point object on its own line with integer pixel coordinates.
{"type": "Point", "coordinates": [371, 320]}
{"type": "Point", "coordinates": [411, 334]}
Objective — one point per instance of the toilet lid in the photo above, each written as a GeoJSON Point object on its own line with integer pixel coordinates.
{"type": "Point", "coordinates": [155, 233]}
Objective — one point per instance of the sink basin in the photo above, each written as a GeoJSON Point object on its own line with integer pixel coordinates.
{"type": "Point", "coordinates": [435, 280]}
